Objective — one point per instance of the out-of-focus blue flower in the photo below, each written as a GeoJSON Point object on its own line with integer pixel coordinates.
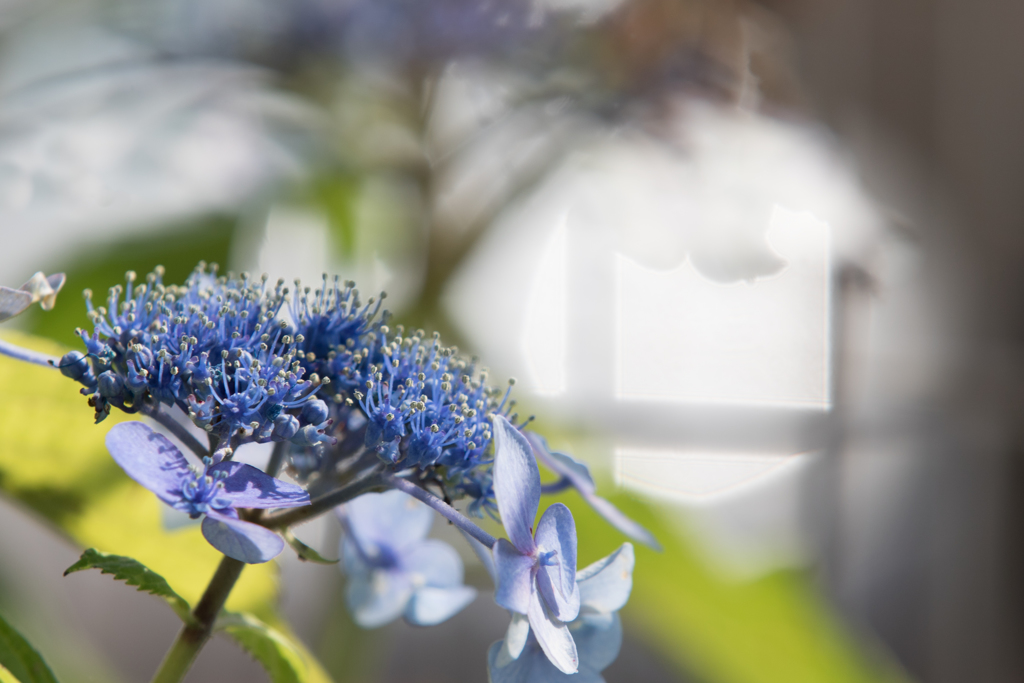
{"type": "Point", "coordinates": [577, 475]}
{"type": "Point", "coordinates": [216, 490]}
{"type": "Point", "coordinates": [393, 569]}
{"type": "Point", "coordinates": [394, 31]}
{"type": "Point", "coordinates": [604, 589]}
{"type": "Point", "coordinates": [412, 30]}
{"type": "Point", "coordinates": [536, 573]}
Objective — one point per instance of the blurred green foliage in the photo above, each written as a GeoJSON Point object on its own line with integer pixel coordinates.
{"type": "Point", "coordinates": [282, 657]}
{"type": "Point", "coordinates": [19, 661]}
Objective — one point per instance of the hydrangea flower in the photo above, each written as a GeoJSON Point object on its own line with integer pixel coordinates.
{"type": "Point", "coordinates": [536, 573]}
{"type": "Point", "coordinates": [393, 569]}
{"type": "Point", "coordinates": [604, 589]}
{"type": "Point", "coordinates": [217, 490]}
{"type": "Point", "coordinates": [576, 474]}
{"type": "Point", "coordinates": [248, 361]}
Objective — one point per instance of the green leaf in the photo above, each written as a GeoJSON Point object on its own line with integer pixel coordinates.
{"type": "Point", "coordinates": [6, 676]}
{"type": "Point", "coordinates": [305, 553]}
{"type": "Point", "coordinates": [22, 663]}
{"type": "Point", "coordinates": [284, 658]}
{"type": "Point", "coordinates": [134, 573]}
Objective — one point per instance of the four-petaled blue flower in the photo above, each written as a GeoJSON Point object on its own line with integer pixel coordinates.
{"type": "Point", "coordinates": [214, 490]}
{"type": "Point", "coordinates": [393, 568]}
{"type": "Point", "coordinates": [604, 589]}
{"type": "Point", "coordinates": [536, 574]}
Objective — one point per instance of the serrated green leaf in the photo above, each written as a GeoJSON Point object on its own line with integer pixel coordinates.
{"type": "Point", "coordinates": [22, 663]}
{"type": "Point", "coordinates": [134, 573]}
{"type": "Point", "coordinates": [305, 553]}
{"type": "Point", "coordinates": [284, 658]}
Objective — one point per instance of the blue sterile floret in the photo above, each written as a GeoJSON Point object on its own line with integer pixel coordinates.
{"type": "Point", "coordinates": [216, 490]}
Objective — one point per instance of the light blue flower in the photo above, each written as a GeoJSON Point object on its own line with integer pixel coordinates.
{"type": "Point", "coordinates": [216, 490]}
{"type": "Point", "coordinates": [577, 475]}
{"type": "Point", "coordinates": [536, 573]}
{"type": "Point", "coordinates": [393, 569]}
{"type": "Point", "coordinates": [604, 589]}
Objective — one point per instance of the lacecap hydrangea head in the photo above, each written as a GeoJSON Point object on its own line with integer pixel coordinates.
{"type": "Point", "coordinates": [248, 361]}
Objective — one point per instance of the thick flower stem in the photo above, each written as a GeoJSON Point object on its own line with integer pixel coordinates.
{"type": "Point", "coordinates": [193, 636]}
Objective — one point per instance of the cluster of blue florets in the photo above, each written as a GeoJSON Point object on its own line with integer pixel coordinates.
{"type": "Point", "coordinates": [425, 405]}
{"type": "Point", "coordinates": [252, 363]}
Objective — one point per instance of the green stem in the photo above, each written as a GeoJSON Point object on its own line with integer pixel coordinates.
{"type": "Point", "coordinates": [193, 637]}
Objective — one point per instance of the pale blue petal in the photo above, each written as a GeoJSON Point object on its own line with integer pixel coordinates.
{"type": "Point", "coordinates": [516, 635]}
{"type": "Point", "coordinates": [515, 580]}
{"type": "Point", "coordinates": [598, 641]}
{"type": "Point", "coordinates": [392, 519]}
{"type": "Point", "coordinates": [562, 464]}
{"type": "Point", "coordinates": [617, 519]}
{"type": "Point", "coordinates": [578, 475]}
{"type": "Point", "coordinates": [516, 483]}
{"type": "Point", "coordinates": [248, 487]}
{"type": "Point", "coordinates": [556, 532]}
{"type": "Point", "coordinates": [606, 584]}
{"type": "Point", "coordinates": [503, 670]}
{"type": "Point", "coordinates": [244, 541]}
{"type": "Point", "coordinates": [430, 606]}
{"type": "Point", "coordinates": [553, 637]}
{"type": "Point", "coordinates": [13, 302]}
{"type": "Point", "coordinates": [148, 458]}
{"type": "Point", "coordinates": [432, 563]}
{"type": "Point", "coordinates": [564, 607]}
{"type": "Point", "coordinates": [352, 560]}
{"type": "Point", "coordinates": [533, 667]}
{"type": "Point", "coordinates": [378, 598]}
